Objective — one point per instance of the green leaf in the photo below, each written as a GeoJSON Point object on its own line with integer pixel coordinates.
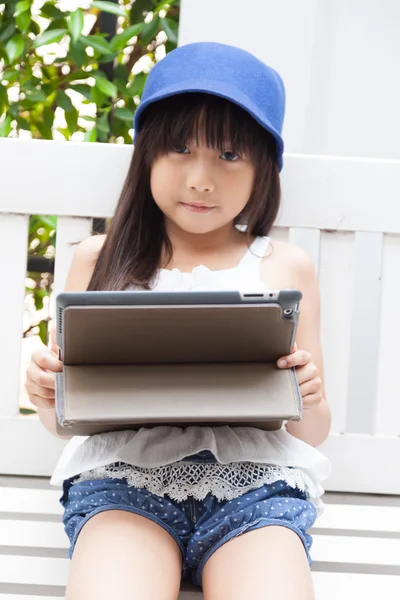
{"type": "Point", "coordinates": [38, 96]}
{"type": "Point", "coordinates": [27, 411]}
{"type": "Point", "coordinates": [124, 114]}
{"type": "Point", "coordinates": [98, 97]}
{"type": "Point", "coordinates": [49, 37]}
{"type": "Point", "coordinates": [10, 76]}
{"type": "Point", "coordinates": [137, 85]}
{"type": "Point", "coordinates": [3, 97]}
{"type": "Point", "coordinates": [48, 118]}
{"type": "Point", "coordinates": [13, 110]}
{"type": "Point", "coordinates": [83, 89]}
{"type": "Point", "coordinates": [122, 72]}
{"type": "Point", "coordinates": [121, 85]}
{"type": "Point", "coordinates": [75, 24]}
{"type": "Point", "coordinates": [9, 8]}
{"type": "Point", "coordinates": [91, 136]}
{"type": "Point", "coordinates": [164, 3]}
{"type": "Point", "coordinates": [103, 125]}
{"type": "Point", "coordinates": [50, 222]}
{"type": "Point", "coordinates": [171, 29]}
{"type": "Point", "coordinates": [149, 30]}
{"type": "Point", "coordinates": [15, 47]}
{"type": "Point", "coordinates": [138, 8]}
{"type": "Point", "coordinates": [58, 24]}
{"type": "Point", "coordinates": [6, 31]}
{"type": "Point", "coordinates": [49, 10]}
{"type": "Point", "coordinates": [23, 21]}
{"type": "Point", "coordinates": [121, 40]}
{"type": "Point", "coordinates": [34, 28]}
{"type": "Point", "coordinates": [22, 7]}
{"type": "Point", "coordinates": [29, 86]}
{"type": "Point", "coordinates": [78, 75]}
{"type": "Point", "coordinates": [109, 7]}
{"type": "Point", "coordinates": [65, 132]}
{"type": "Point", "coordinates": [5, 126]}
{"type": "Point", "coordinates": [106, 87]}
{"type": "Point", "coordinates": [97, 43]}
{"type": "Point", "coordinates": [64, 101]}
{"type": "Point", "coordinates": [23, 123]}
{"type": "Point", "coordinates": [47, 89]}
{"type": "Point", "coordinates": [72, 120]}
{"type": "Point", "coordinates": [42, 326]}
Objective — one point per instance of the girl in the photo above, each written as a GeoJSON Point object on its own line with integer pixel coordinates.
{"type": "Point", "coordinates": [227, 507]}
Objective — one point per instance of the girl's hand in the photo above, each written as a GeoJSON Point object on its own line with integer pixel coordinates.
{"type": "Point", "coordinates": [308, 377]}
{"type": "Point", "coordinates": [40, 377]}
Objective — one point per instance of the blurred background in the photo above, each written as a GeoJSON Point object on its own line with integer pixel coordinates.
{"type": "Point", "coordinates": [72, 70]}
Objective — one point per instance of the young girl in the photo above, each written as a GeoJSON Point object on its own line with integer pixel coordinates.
{"type": "Point", "coordinates": [229, 507]}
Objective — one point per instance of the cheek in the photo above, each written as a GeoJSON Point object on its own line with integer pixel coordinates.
{"type": "Point", "coordinates": [162, 181]}
{"type": "Point", "coordinates": [239, 187]}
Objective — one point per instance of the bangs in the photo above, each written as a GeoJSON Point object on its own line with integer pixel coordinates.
{"type": "Point", "coordinates": [203, 119]}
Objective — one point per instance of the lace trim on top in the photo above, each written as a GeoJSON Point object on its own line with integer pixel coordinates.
{"type": "Point", "coordinates": [184, 478]}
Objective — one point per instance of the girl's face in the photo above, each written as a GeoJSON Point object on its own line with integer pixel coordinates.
{"type": "Point", "coordinates": [200, 189]}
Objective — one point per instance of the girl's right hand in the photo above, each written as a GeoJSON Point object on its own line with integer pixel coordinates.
{"type": "Point", "coordinates": [40, 377]}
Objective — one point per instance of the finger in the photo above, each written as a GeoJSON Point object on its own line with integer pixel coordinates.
{"type": "Point", "coordinates": [54, 349]}
{"type": "Point", "coordinates": [295, 347]}
{"type": "Point", "coordinates": [306, 373]}
{"type": "Point", "coordinates": [40, 402]}
{"type": "Point", "coordinates": [40, 377]}
{"type": "Point", "coordinates": [311, 401]}
{"type": "Point", "coordinates": [310, 387]}
{"type": "Point", "coordinates": [46, 360]}
{"type": "Point", "coordinates": [34, 389]}
{"type": "Point", "coordinates": [299, 358]}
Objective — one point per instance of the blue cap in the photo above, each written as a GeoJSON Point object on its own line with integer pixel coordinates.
{"type": "Point", "coordinates": [224, 71]}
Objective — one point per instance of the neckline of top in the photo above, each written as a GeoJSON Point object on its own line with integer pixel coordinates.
{"type": "Point", "coordinates": [249, 253]}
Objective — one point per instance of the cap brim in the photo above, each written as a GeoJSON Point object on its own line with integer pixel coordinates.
{"type": "Point", "coordinates": [215, 88]}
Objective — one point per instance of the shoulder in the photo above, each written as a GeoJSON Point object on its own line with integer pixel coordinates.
{"type": "Point", "coordinates": [83, 263]}
{"type": "Point", "coordinates": [91, 246]}
{"type": "Point", "coordinates": [289, 266]}
{"type": "Point", "coordinates": [293, 258]}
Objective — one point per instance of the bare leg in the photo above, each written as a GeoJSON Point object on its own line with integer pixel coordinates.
{"type": "Point", "coordinates": [266, 563]}
{"type": "Point", "coordinates": [123, 556]}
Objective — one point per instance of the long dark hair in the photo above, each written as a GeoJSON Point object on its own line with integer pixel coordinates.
{"type": "Point", "coordinates": [137, 244]}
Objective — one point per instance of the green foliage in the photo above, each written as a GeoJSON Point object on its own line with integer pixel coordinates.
{"type": "Point", "coordinates": [46, 53]}
{"type": "Point", "coordinates": [52, 65]}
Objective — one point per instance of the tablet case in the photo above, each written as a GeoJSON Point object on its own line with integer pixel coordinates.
{"type": "Point", "coordinates": [141, 359]}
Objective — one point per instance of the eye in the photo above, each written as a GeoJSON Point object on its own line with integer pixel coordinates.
{"type": "Point", "coordinates": [181, 149]}
{"type": "Point", "coordinates": [230, 156]}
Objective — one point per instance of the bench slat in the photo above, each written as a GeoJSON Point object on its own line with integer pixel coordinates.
{"type": "Point", "coordinates": [13, 256]}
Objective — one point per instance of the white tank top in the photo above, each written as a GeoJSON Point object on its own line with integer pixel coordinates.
{"type": "Point", "coordinates": [272, 455]}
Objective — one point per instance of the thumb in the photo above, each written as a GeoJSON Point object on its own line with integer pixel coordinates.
{"type": "Point", "coordinates": [54, 349]}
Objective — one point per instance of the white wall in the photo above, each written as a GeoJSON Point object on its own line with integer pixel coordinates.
{"type": "Point", "coordinates": [340, 60]}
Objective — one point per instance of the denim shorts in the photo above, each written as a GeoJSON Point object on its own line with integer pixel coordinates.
{"type": "Point", "coordinates": [198, 527]}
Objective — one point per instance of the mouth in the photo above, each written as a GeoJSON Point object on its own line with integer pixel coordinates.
{"type": "Point", "coordinates": [197, 208]}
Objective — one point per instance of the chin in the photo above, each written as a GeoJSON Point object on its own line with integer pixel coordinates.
{"type": "Point", "coordinates": [196, 226]}
{"type": "Point", "coordinates": [197, 230]}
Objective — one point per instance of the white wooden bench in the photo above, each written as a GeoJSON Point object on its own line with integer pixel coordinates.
{"type": "Point", "coordinates": [346, 213]}
{"type": "Point", "coordinates": [356, 545]}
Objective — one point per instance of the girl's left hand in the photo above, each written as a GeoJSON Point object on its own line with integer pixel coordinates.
{"type": "Point", "coordinates": [310, 383]}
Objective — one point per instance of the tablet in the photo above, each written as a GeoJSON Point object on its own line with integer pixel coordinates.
{"type": "Point", "coordinates": [141, 327]}
{"type": "Point", "coordinates": [140, 359]}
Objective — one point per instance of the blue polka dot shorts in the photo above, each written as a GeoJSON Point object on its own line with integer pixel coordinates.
{"type": "Point", "coordinates": [198, 527]}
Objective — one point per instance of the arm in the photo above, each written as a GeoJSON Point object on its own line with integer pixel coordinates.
{"type": "Point", "coordinates": [315, 424]}
{"type": "Point", "coordinates": [78, 278]}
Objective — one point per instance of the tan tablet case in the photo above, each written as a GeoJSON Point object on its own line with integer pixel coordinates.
{"type": "Point", "coordinates": [204, 365]}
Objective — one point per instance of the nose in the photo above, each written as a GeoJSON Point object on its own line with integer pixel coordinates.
{"type": "Point", "coordinates": [199, 177]}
